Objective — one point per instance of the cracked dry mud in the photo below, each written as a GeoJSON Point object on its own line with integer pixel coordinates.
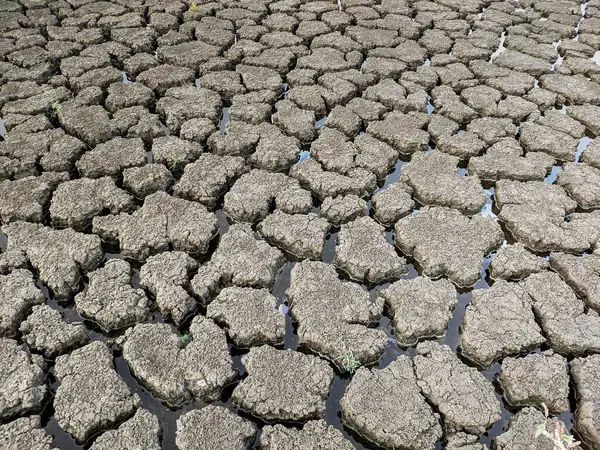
{"type": "Point", "coordinates": [299, 224]}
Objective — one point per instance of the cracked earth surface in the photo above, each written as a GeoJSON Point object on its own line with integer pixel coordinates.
{"type": "Point", "coordinates": [299, 224]}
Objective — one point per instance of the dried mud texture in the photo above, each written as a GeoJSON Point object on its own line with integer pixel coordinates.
{"type": "Point", "coordinates": [13, 260]}
{"type": "Point", "coordinates": [110, 300]}
{"type": "Point", "coordinates": [141, 432]}
{"type": "Point", "coordinates": [176, 372]}
{"type": "Point", "coordinates": [435, 182]}
{"type": "Point", "coordinates": [22, 380]}
{"type": "Point", "coordinates": [112, 157]}
{"type": "Point", "coordinates": [557, 144]}
{"type": "Point", "coordinates": [343, 209]}
{"type": "Point", "coordinates": [582, 274]}
{"type": "Point", "coordinates": [214, 427]}
{"type": "Point", "coordinates": [582, 183]}
{"type": "Point", "coordinates": [445, 242]}
{"type": "Point", "coordinates": [58, 256]}
{"type": "Point", "coordinates": [301, 235]}
{"type": "Point", "coordinates": [91, 395]}
{"type": "Point", "coordinates": [249, 316]}
{"type": "Point", "coordinates": [239, 260]}
{"type": "Point", "coordinates": [27, 198]}
{"type": "Point", "coordinates": [251, 197]}
{"type": "Point", "coordinates": [499, 322]}
{"type": "Point", "coordinates": [166, 276]}
{"type": "Point", "coordinates": [464, 441]}
{"type": "Point", "coordinates": [26, 432]}
{"type": "Point", "coordinates": [333, 315]}
{"type": "Point", "coordinates": [363, 252]}
{"type": "Point", "coordinates": [163, 222]}
{"type": "Point", "coordinates": [46, 332]}
{"type": "Point", "coordinates": [505, 160]}
{"type": "Point", "coordinates": [298, 385]}
{"type": "Point", "coordinates": [535, 213]}
{"type": "Point", "coordinates": [419, 308]}
{"type": "Point", "coordinates": [351, 180]}
{"type": "Point", "coordinates": [393, 203]}
{"type": "Point", "coordinates": [314, 434]}
{"type": "Point", "coordinates": [569, 328]}
{"type": "Point", "coordinates": [311, 175]}
{"type": "Point", "coordinates": [18, 295]}
{"type": "Point", "coordinates": [465, 399]}
{"type": "Point", "coordinates": [535, 380]}
{"type": "Point", "coordinates": [515, 262]}
{"type": "Point", "coordinates": [206, 179]}
{"type": "Point", "coordinates": [386, 406]}
{"type": "Point", "coordinates": [585, 372]}
{"type": "Point", "coordinates": [521, 432]}
{"type": "Point", "coordinates": [146, 180]}
{"type": "Point", "coordinates": [75, 203]}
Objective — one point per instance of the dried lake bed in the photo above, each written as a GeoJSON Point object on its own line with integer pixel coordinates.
{"type": "Point", "coordinates": [295, 224]}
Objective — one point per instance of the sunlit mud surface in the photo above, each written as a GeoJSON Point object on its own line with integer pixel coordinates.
{"type": "Point", "coordinates": [330, 224]}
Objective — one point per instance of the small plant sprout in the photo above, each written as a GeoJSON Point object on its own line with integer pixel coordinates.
{"type": "Point", "coordinates": [54, 110]}
{"type": "Point", "coordinates": [185, 340]}
{"type": "Point", "coordinates": [348, 361]}
{"type": "Point", "coordinates": [175, 163]}
{"type": "Point", "coordinates": [193, 7]}
{"type": "Point", "coordinates": [559, 436]}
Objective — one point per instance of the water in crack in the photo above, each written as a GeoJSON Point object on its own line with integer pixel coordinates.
{"type": "Point", "coordinates": [222, 222]}
{"type": "Point", "coordinates": [596, 57]}
{"type": "Point", "coordinates": [3, 242]}
{"type": "Point", "coordinates": [392, 177]}
{"type": "Point", "coordinates": [556, 63]}
{"type": "Point", "coordinates": [164, 129]}
{"type": "Point", "coordinates": [305, 154]}
{"type": "Point", "coordinates": [2, 128]}
{"type": "Point", "coordinates": [224, 120]}
{"type": "Point", "coordinates": [583, 144]}
{"type": "Point", "coordinates": [487, 210]}
{"type": "Point", "coordinates": [551, 177]}
{"type": "Point", "coordinates": [430, 107]}
{"type": "Point", "coordinates": [452, 337]}
{"type": "Point", "coordinates": [329, 250]}
{"type": "Point", "coordinates": [581, 17]}
{"type": "Point", "coordinates": [282, 283]}
{"type": "Point", "coordinates": [559, 58]}
{"type": "Point", "coordinates": [501, 48]}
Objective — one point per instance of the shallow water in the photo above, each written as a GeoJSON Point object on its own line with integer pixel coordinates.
{"type": "Point", "coordinates": [430, 107]}
{"type": "Point", "coordinates": [487, 210]}
{"type": "Point", "coordinates": [501, 48]}
{"type": "Point", "coordinates": [583, 143]}
{"type": "Point", "coordinates": [305, 154]}
{"type": "Point", "coordinates": [224, 120]}
{"type": "Point", "coordinates": [319, 123]}
{"type": "Point", "coordinates": [551, 177]}
{"type": "Point", "coordinates": [393, 176]}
